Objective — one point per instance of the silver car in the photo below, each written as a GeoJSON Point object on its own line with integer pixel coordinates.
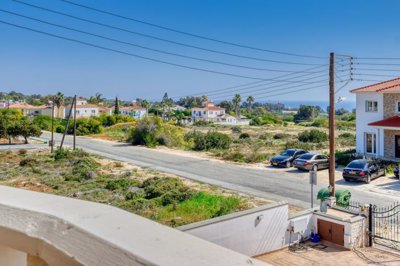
{"type": "Point", "coordinates": [312, 161]}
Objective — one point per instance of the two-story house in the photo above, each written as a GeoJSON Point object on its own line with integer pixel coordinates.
{"type": "Point", "coordinates": [378, 119]}
{"type": "Point", "coordinates": [208, 112]}
{"type": "Point", "coordinates": [135, 111]}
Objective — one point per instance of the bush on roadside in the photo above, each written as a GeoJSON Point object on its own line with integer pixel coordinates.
{"type": "Point", "coordinates": [244, 136]}
{"type": "Point", "coordinates": [236, 129]}
{"type": "Point", "coordinates": [207, 141]}
{"type": "Point", "coordinates": [152, 132]}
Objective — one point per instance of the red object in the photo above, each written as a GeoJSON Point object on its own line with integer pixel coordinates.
{"type": "Point", "coordinates": [362, 173]}
{"type": "Point", "coordinates": [392, 85]}
{"type": "Point", "coordinates": [388, 122]}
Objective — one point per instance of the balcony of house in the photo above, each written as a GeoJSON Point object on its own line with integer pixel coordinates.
{"type": "Point", "coordinates": [39, 229]}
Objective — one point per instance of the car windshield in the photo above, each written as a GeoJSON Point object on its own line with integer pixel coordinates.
{"type": "Point", "coordinates": [288, 153]}
{"type": "Point", "coordinates": [357, 165]}
{"type": "Point", "coordinates": [306, 156]}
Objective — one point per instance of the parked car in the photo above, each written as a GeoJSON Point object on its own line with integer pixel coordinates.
{"type": "Point", "coordinates": [311, 161]}
{"type": "Point", "coordinates": [397, 172]}
{"type": "Point", "coordinates": [363, 170]}
{"type": "Point", "coordinates": [286, 158]}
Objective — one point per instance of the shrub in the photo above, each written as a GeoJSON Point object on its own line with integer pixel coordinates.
{"type": "Point", "coordinates": [281, 136]}
{"type": "Point", "coordinates": [61, 154]}
{"type": "Point", "coordinates": [313, 136]}
{"type": "Point", "coordinates": [168, 189]}
{"type": "Point", "coordinates": [244, 136]}
{"type": "Point", "coordinates": [84, 168]}
{"type": "Point", "coordinates": [86, 126]}
{"type": "Point", "coordinates": [121, 184]}
{"type": "Point", "coordinates": [28, 162]}
{"type": "Point", "coordinates": [22, 151]}
{"type": "Point", "coordinates": [153, 132]}
{"type": "Point", "coordinates": [320, 122]}
{"type": "Point", "coordinates": [209, 140]}
{"type": "Point", "coordinates": [202, 123]}
{"type": "Point", "coordinates": [236, 129]}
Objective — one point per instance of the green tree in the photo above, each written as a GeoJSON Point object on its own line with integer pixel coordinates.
{"type": "Point", "coordinates": [145, 104]}
{"type": "Point", "coordinates": [26, 129]}
{"type": "Point", "coordinates": [250, 101]}
{"type": "Point", "coordinates": [306, 113]}
{"type": "Point", "coordinates": [237, 99]}
{"type": "Point", "coordinates": [116, 107]}
{"type": "Point", "coordinates": [59, 99]}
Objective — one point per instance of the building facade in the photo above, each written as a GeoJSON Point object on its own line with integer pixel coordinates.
{"type": "Point", "coordinates": [378, 120]}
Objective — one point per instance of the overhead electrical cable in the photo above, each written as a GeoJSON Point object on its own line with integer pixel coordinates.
{"type": "Point", "coordinates": [161, 39]}
{"type": "Point", "coordinates": [190, 34]}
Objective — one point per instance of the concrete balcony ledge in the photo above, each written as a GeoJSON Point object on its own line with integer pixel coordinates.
{"type": "Point", "coordinates": [63, 231]}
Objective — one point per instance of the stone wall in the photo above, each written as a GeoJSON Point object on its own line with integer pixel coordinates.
{"type": "Point", "coordinates": [390, 104]}
{"type": "Point", "coordinates": [389, 151]}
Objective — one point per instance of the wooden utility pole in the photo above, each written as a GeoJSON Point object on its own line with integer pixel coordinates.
{"type": "Point", "coordinates": [332, 124]}
{"type": "Point", "coordinates": [67, 125]}
{"type": "Point", "coordinates": [52, 126]}
{"type": "Point", "coordinates": [74, 146]}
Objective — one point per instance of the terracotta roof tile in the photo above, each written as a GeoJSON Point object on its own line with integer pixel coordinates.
{"type": "Point", "coordinates": [392, 85]}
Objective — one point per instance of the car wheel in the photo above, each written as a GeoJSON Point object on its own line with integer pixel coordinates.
{"type": "Point", "coordinates": [288, 164]}
{"type": "Point", "coordinates": [315, 167]}
{"type": "Point", "coordinates": [368, 179]}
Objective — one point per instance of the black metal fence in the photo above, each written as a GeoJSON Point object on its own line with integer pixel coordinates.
{"type": "Point", "coordinates": [384, 225]}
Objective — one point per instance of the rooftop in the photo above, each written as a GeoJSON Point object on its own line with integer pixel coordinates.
{"type": "Point", "coordinates": [392, 85]}
{"type": "Point", "coordinates": [393, 121]}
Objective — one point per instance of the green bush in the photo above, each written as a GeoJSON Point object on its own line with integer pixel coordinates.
{"type": "Point", "coordinates": [313, 135]}
{"type": "Point", "coordinates": [154, 131]}
{"type": "Point", "coordinates": [30, 162]}
{"type": "Point", "coordinates": [86, 126]}
{"type": "Point", "coordinates": [320, 122]}
{"type": "Point", "coordinates": [236, 129]}
{"type": "Point", "coordinates": [61, 154]}
{"type": "Point", "coordinates": [244, 136]}
{"type": "Point", "coordinates": [121, 184]}
{"type": "Point", "coordinates": [207, 141]}
{"type": "Point", "coordinates": [168, 189]}
{"type": "Point", "coordinates": [202, 123]}
{"type": "Point", "coordinates": [281, 136]}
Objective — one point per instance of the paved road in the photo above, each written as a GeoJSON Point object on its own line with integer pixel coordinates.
{"type": "Point", "coordinates": [275, 185]}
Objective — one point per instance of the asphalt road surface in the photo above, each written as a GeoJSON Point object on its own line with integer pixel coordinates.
{"type": "Point", "coordinates": [258, 182]}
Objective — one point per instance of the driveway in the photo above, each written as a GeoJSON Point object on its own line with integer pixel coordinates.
{"type": "Point", "coordinates": [273, 184]}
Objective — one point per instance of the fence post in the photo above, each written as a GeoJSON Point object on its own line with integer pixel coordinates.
{"type": "Point", "coordinates": [370, 214]}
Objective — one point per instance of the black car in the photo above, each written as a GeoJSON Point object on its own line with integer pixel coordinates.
{"type": "Point", "coordinates": [312, 161]}
{"type": "Point", "coordinates": [364, 170]}
{"type": "Point", "coordinates": [286, 158]}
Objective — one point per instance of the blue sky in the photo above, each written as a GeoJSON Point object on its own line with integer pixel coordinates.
{"type": "Point", "coordinates": [34, 63]}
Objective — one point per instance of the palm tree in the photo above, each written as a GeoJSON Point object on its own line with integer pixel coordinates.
{"type": "Point", "coordinates": [237, 99]}
{"type": "Point", "coordinates": [250, 101]}
{"type": "Point", "coordinates": [145, 104]}
{"type": "Point", "coordinates": [58, 101]}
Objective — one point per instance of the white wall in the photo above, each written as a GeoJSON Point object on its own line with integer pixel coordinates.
{"type": "Point", "coordinates": [12, 257]}
{"type": "Point", "coordinates": [244, 232]}
{"type": "Point", "coordinates": [363, 117]}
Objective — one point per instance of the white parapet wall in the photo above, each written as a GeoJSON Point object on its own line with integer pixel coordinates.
{"type": "Point", "coordinates": [251, 232]}
{"type": "Point", "coordinates": [64, 231]}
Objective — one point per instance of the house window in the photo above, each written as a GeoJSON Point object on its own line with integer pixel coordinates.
{"type": "Point", "coordinates": [371, 106]}
{"type": "Point", "coordinates": [370, 143]}
{"type": "Point", "coordinates": [204, 112]}
{"type": "Point", "coordinates": [211, 112]}
{"type": "Point", "coordinates": [93, 111]}
{"type": "Point", "coordinates": [398, 107]}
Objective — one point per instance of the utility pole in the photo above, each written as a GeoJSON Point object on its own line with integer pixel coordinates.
{"type": "Point", "coordinates": [67, 125]}
{"type": "Point", "coordinates": [332, 124]}
{"type": "Point", "coordinates": [74, 145]}
{"type": "Point", "coordinates": [52, 126]}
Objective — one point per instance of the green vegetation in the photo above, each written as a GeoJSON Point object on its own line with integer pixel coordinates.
{"type": "Point", "coordinates": [78, 174]}
{"type": "Point", "coordinates": [208, 141]}
{"type": "Point", "coordinates": [13, 125]}
{"type": "Point", "coordinates": [153, 131]}
{"type": "Point", "coordinates": [313, 135]}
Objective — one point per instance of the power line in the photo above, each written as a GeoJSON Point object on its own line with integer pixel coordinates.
{"type": "Point", "coordinates": [162, 39]}
{"type": "Point", "coordinates": [293, 91]}
{"type": "Point", "coordinates": [134, 55]}
{"type": "Point", "coordinates": [190, 34]}
{"type": "Point", "coordinates": [147, 48]}
{"type": "Point", "coordinates": [246, 85]}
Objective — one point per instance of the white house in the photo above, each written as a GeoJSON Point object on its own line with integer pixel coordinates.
{"type": "Point", "coordinates": [378, 119]}
{"type": "Point", "coordinates": [208, 112]}
{"type": "Point", "coordinates": [83, 110]}
{"type": "Point", "coordinates": [233, 120]}
{"type": "Point", "coordinates": [134, 111]}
